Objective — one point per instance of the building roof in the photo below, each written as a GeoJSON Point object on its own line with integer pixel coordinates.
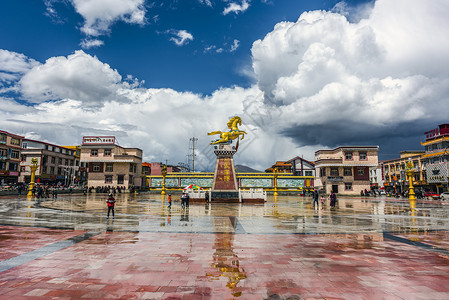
{"type": "Point", "coordinates": [279, 164]}
{"type": "Point", "coordinates": [300, 158]}
{"type": "Point", "coordinates": [349, 148]}
{"type": "Point", "coordinates": [12, 134]}
{"type": "Point", "coordinates": [45, 143]}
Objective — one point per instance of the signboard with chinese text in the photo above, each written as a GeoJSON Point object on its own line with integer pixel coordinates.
{"type": "Point", "coordinates": [98, 140]}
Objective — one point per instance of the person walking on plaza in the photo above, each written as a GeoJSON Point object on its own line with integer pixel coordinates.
{"type": "Point", "coordinates": [54, 193]}
{"type": "Point", "coordinates": [187, 200]}
{"type": "Point", "coordinates": [169, 200]}
{"type": "Point", "coordinates": [111, 203]}
{"type": "Point", "coordinates": [183, 200]}
{"type": "Point", "coordinates": [333, 199]}
{"type": "Point", "coordinates": [315, 199]}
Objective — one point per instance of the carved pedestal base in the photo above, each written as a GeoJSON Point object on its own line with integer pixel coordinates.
{"type": "Point", "coordinates": [225, 188]}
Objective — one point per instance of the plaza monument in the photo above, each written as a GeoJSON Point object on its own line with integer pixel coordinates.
{"type": "Point", "coordinates": [224, 187]}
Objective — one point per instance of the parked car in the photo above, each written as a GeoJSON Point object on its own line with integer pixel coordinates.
{"type": "Point", "coordinates": [432, 195]}
{"type": "Point", "coordinates": [444, 196]}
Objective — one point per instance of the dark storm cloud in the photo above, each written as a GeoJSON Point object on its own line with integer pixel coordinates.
{"type": "Point", "coordinates": [391, 138]}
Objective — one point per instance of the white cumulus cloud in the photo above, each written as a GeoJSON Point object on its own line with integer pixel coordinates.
{"type": "Point", "coordinates": [99, 15]}
{"type": "Point", "coordinates": [236, 8]}
{"type": "Point", "coordinates": [180, 37]}
{"type": "Point", "coordinates": [235, 45]}
{"type": "Point", "coordinates": [91, 43]}
{"type": "Point", "coordinates": [342, 82]}
{"type": "Point", "coordinates": [77, 76]}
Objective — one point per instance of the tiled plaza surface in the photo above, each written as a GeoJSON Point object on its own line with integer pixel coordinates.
{"type": "Point", "coordinates": [365, 248]}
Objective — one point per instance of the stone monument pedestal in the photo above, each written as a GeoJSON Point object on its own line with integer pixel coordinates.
{"type": "Point", "coordinates": [225, 188]}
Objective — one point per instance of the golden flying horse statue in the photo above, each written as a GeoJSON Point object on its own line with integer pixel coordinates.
{"type": "Point", "coordinates": [233, 133]}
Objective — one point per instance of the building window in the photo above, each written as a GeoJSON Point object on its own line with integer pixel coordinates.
{"type": "Point", "coordinates": [44, 170]}
{"type": "Point", "coordinates": [135, 169]}
{"type": "Point", "coordinates": [348, 186]}
{"type": "Point", "coordinates": [322, 172]}
{"type": "Point", "coordinates": [109, 167]}
{"type": "Point", "coordinates": [3, 152]}
{"type": "Point", "coordinates": [15, 154]}
{"type": "Point", "coordinates": [94, 152]}
{"type": "Point", "coordinates": [3, 138]}
{"type": "Point", "coordinates": [13, 166]}
{"type": "Point", "coordinates": [130, 167]}
{"type": "Point", "coordinates": [120, 179]}
{"type": "Point", "coordinates": [2, 165]}
{"type": "Point", "coordinates": [59, 171]}
{"type": "Point", "coordinates": [96, 168]}
{"type": "Point", "coordinates": [108, 179]}
{"type": "Point", "coordinates": [348, 155]}
{"type": "Point", "coordinates": [334, 171]}
{"type": "Point", "coordinates": [362, 155]}
{"type": "Point", "coordinates": [107, 152]}
{"type": "Point", "coordinates": [360, 172]}
{"type": "Point", "coordinates": [59, 161]}
{"type": "Point", "coordinates": [15, 142]}
{"type": "Point", "coordinates": [347, 172]}
{"type": "Point", "coordinates": [308, 173]}
{"type": "Point", "coordinates": [24, 145]}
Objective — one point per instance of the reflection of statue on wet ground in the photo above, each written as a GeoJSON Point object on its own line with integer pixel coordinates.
{"type": "Point", "coordinates": [227, 262]}
{"type": "Point", "coordinates": [233, 133]}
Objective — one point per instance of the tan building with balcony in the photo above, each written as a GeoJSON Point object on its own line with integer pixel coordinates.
{"type": "Point", "coordinates": [345, 170]}
{"type": "Point", "coordinates": [110, 164]}
{"type": "Point", "coordinates": [9, 157]}
{"type": "Point", "coordinates": [395, 175]}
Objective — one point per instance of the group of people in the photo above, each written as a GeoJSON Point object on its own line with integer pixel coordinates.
{"type": "Point", "coordinates": [39, 191]}
{"type": "Point", "coordinates": [105, 189]}
{"type": "Point", "coordinates": [332, 199]}
{"type": "Point", "coordinates": [185, 199]}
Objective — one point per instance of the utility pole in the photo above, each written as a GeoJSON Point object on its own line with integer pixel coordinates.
{"type": "Point", "coordinates": [193, 140]}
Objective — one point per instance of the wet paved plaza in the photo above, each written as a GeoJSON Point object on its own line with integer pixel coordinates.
{"type": "Point", "coordinates": [365, 248]}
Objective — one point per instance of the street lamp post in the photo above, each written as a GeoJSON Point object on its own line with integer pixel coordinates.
{"type": "Point", "coordinates": [275, 171]}
{"type": "Point", "coordinates": [411, 189]}
{"type": "Point", "coordinates": [33, 168]}
{"type": "Point", "coordinates": [164, 173]}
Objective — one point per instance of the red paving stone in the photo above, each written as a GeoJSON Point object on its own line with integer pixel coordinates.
{"type": "Point", "coordinates": [15, 241]}
{"type": "Point", "coordinates": [226, 266]}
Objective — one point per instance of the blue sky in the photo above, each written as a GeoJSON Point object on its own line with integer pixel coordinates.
{"type": "Point", "coordinates": [144, 50]}
{"type": "Point", "coordinates": [303, 75]}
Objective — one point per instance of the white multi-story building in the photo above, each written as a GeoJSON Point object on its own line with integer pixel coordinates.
{"type": "Point", "coordinates": [345, 170]}
{"type": "Point", "coordinates": [110, 164]}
